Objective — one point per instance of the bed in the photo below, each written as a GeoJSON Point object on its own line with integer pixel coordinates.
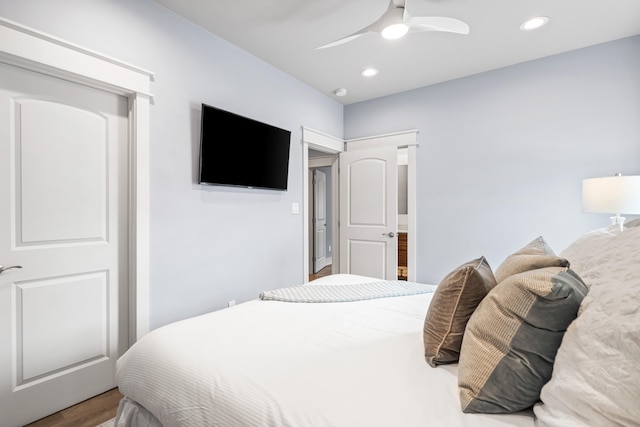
{"type": "Point", "coordinates": [359, 352]}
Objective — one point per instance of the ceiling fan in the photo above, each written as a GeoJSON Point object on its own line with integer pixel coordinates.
{"type": "Point", "coordinates": [396, 22]}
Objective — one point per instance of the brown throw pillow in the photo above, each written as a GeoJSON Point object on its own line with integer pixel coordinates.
{"type": "Point", "coordinates": [452, 305]}
{"type": "Point", "coordinates": [537, 254]}
{"type": "Point", "coordinates": [512, 339]}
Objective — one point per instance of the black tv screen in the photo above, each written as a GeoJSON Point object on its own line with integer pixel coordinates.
{"type": "Point", "coordinates": [242, 152]}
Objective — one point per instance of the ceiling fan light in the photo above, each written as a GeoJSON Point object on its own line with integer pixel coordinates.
{"type": "Point", "coordinates": [395, 31]}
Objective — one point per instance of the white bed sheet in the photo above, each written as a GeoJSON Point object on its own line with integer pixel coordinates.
{"type": "Point", "coordinates": [269, 363]}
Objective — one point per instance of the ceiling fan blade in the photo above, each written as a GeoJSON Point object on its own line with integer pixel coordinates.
{"type": "Point", "coordinates": [343, 40]}
{"type": "Point", "coordinates": [377, 26]}
{"type": "Point", "coordinates": [438, 23]}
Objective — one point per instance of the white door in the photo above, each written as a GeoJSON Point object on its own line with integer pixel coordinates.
{"type": "Point", "coordinates": [368, 212]}
{"type": "Point", "coordinates": [63, 219]}
{"type": "Point", "coordinates": [319, 220]}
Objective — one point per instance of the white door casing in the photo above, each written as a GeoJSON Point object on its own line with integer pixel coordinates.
{"type": "Point", "coordinates": [34, 50]}
{"type": "Point", "coordinates": [320, 219]}
{"type": "Point", "coordinates": [63, 219]}
{"type": "Point", "coordinates": [368, 212]}
{"type": "Point", "coordinates": [331, 145]}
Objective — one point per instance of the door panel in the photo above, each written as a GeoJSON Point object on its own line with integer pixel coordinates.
{"type": "Point", "coordinates": [63, 218]}
{"type": "Point", "coordinates": [368, 212]}
{"type": "Point", "coordinates": [361, 253]}
{"type": "Point", "coordinates": [368, 194]}
{"type": "Point", "coordinates": [47, 167]}
{"type": "Point", "coordinates": [47, 346]}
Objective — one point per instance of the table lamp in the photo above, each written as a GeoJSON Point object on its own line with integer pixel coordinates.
{"type": "Point", "coordinates": [613, 195]}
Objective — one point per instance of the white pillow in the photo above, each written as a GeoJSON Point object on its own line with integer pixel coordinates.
{"type": "Point", "coordinates": [596, 374]}
{"type": "Point", "coordinates": [588, 251]}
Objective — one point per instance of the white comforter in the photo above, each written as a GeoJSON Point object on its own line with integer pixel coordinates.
{"type": "Point", "coordinates": [269, 363]}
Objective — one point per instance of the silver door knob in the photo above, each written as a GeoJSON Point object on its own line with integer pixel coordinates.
{"type": "Point", "coordinates": [3, 268]}
{"type": "Point", "coordinates": [390, 234]}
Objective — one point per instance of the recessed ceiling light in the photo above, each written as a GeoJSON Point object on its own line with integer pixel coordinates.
{"type": "Point", "coordinates": [534, 23]}
{"type": "Point", "coordinates": [369, 72]}
{"type": "Point", "coordinates": [340, 92]}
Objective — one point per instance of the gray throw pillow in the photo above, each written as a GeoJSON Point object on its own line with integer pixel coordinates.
{"type": "Point", "coordinates": [512, 339]}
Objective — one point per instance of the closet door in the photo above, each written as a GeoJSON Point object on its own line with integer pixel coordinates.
{"type": "Point", "coordinates": [63, 225]}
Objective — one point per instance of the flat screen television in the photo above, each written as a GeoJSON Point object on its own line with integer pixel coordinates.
{"type": "Point", "coordinates": [242, 152]}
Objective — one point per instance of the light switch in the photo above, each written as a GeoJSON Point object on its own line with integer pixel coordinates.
{"type": "Point", "coordinates": [295, 208]}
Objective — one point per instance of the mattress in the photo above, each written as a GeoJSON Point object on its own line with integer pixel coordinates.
{"type": "Point", "coordinates": [273, 363]}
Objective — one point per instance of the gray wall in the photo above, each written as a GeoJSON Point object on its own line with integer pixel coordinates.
{"type": "Point", "coordinates": [210, 245]}
{"type": "Point", "coordinates": [502, 154]}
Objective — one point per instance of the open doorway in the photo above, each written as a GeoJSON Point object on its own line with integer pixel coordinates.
{"type": "Point", "coordinates": [320, 213]}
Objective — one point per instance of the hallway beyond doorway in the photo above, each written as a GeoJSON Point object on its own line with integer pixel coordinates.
{"type": "Point", "coordinates": [326, 271]}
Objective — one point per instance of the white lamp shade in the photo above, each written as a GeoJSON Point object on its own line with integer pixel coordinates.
{"type": "Point", "coordinates": [613, 195]}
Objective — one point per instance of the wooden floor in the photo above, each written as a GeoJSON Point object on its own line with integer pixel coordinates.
{"type": "Point", "coordinates": [322, 273]}
{"type": "Point", "coordinates": [89, 413]}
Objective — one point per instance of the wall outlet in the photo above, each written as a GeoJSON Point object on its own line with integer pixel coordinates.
{"type": "Point", "coordinates": [329, 248]}
{"type": "Point", "coordinates": [231, 303]}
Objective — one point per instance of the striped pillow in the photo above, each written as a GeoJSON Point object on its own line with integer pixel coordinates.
{"type": "Point", "coordinates": [537, 254]}
{"type": "Point", "coordinates": [512, 339]}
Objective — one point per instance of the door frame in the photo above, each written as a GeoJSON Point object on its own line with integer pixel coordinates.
{"type": "Point", "coordinates": [332, 145]}
{"type": "Point", "coordinates": [33, 50]}
{"type": "Point", "coordinates": [312, 139]}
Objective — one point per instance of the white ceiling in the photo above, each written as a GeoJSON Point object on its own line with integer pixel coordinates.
{"type": "Point", "coordinates": [285, 33]}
